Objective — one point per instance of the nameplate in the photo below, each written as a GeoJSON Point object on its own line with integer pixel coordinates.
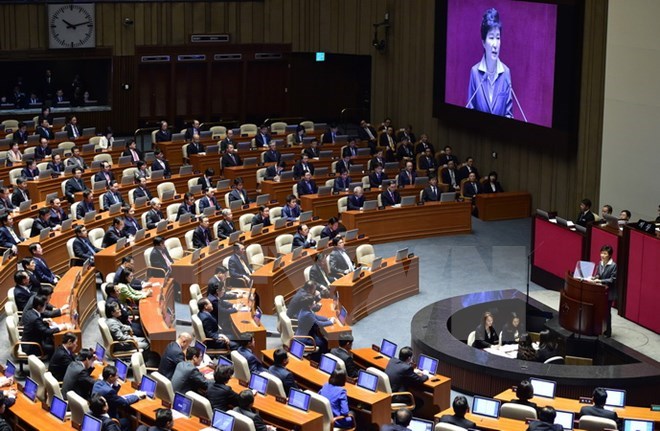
{"type": "Point", "coordinates": [351, 380]}
{"type": "Point", "coordinates": [204, 421]}
{"type": "Point", "coordinates": [375, 348]}
{"type": "Point", "coordinates": [243, 383]}
{"type": "Point", "coordinates": [585, 400]}
{"type": "Point", "coordinates": [655, 407]}
{"type": "Point", "coordinates": [166, 404]}
{"type": "Point", "coordinates": [280, 399]}
{"type": "Point", "coordinates": [313, 364]}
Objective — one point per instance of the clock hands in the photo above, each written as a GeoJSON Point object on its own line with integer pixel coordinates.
{"type": "Point", "coordinates": [74, 26]}
{"type": "Point", "coordinates": [81, 23]}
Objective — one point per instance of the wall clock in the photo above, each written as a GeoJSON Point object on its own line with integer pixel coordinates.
{"type": "Point", "coordinates": [71, 26]}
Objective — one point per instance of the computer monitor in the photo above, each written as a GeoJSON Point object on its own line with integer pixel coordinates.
{"type": "Point", "coordinates": [58, 408]}
{"type": "Point", "coordinates": [428, 364]}
{"type": "Point", "coordinates": [297, 349]}
{"type": "Point", "coordinates": [327, 364]}
{"type": "Point", "coordinates": [417, 424]}
{"type": "Point", "coordinates": [182, 404]}
{"type": "Point", "coordinates": [565, 419]}
{"type": "Point", "coordinates": [367, 381]}
{"type": "Point", "coordinates": [543, 388]}
{"type": "Point", "coordinates": [299, 399]}
{"type": "Point", "coordinates": [148, 386]}
{"type": "Point", "coordinates": [343, 313]}
{"type": "Point", "coordinates": [351, 234]}
{"type": "Point", "coordinates": [201, 347]}
{"type": "Point", "coordinates": [637, 425]}
{"type": "Point", "coordinates": [401, 254]}
{"type": "Point", "coordinates": [10, 368]}
{"type": "Point", "coordinates": [122, 369]}
{"type": "Point", "coordinates": [258, 383]}
{"type": "Point", "coordinates": [30, 388]}
{"type": "Point", "coordinates": [486, 407]}
{"type": "Point", "coordinates": [448, 197]}
{"type": "Point", "coordinates": [222, 421]}
{"type": "Point", "coordinates": [224, 361]}
{"type": "Point", "coordinates": [99, 352]}
{"type": "Point", "coordinates": [615, 397]}
{"type": "Point", "coordinates": [387, 348]}
{"type": "Point", "coordinates": [90, 423]}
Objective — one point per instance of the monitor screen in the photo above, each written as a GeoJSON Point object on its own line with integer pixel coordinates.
{"type": "Point", "coordinates": [30, 388]}
{"type": "Point", "coordinates": [637, 425]}
{"type": "Point", "coordinates": [299, 399]}
{"type": "Point", "coordinates": [297, 349]}
{"type": "Point", "coordinates": [100, 352]}
{"type": "Point", "coordinates": [258, 383]}
{"type": "Point", "coordinates": [565, 419]}
{"type": "Point", "coordinates": [182, 404]}
{"type": "Point", "coordinates": [224, 361]}
{"type": "Point", "coordinates": [615, 398]}
{"type": "Point", "coordinates": [486, 407]}
{"type": "Point", "coordinates": [387, 348]}
{"type": "Point", "coordinates": [327, 364]}
{"type": "Point", "coordinates": [417, 424]}
{"type": "Point", "coordinates": [342, 315]}
{"type": "Point", "coordinates": [427, 363]}
{"type": "Point", "coordinates": [201, 347]}
{"type": "Point", "coordinates": [148, 386]}
{"type": "Point", "coordinates": [90, 423]}
{"type": "Point", "coordinates": [10, 368]}
{"type": "Point", "coordinates": [367, 381]}
{"type": "Point", "coordinates": [122, 369]}
{"type": "Point", "coordinates": [222, 421]}
{"type": "Point", "coordinates": [543, 388]}
{"type": "Point", "coordinates": [58, 408]}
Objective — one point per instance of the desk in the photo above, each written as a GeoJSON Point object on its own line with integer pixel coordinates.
{"type": "Point", "coordinates": [78, 289]}
{"type": "Point", "coordinates": [436, 391]}
{"type": "Point", "coordinates": [155, 325]}
{"type": "Point", "coordinates": [28, 415]}
{"type": "Point", "coordinates": [243, 322]}
{"type": "Point", "coordinates": [332, 332]}
{"type": "Point", "coordinates": [377, 289]}
{"type": "Point", "coordinates": [7, 271]}
{"type": "Point", "coordinates": [396, 224]}
{"type": "Point", "coordinates": [489, 424]}
{"type": "Point", "coordinates": [372, 409]}
{"type": "Point", "coordinates": [504, 206]}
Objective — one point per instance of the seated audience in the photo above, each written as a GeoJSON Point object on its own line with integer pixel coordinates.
{"type": "Point", "coordinates": [219, 393]}
{"type": "Point", "coordinates": [226, 226]}
{"type": "Point", "coordinates": [461, 407]}
{"type": "Point", "coordinates": [86, 205]}
{"type": "Point", "coordinates": [78, 375]}
{"type": "Point", "coordinates": [356, 201]}
{"type": "Point", "coordinates": [343, 352]}
{"type": "Point", "coordinates": [212, 331]}
{"type": "Point", "coordinates": [402, 419]}
{"type": "Point", "coordinates": [98, 407]}
{"type": "Point", "coordinates": [431, 192]}
{"type": "Point", "coordinates": [548, 346]}
{"type": "Point", "coordinates": [36, 330]}
{"type": "Point", "coordinates": [278, 369]}
{"type": "Point", "coordinates": [331, 229]}
{"type": "Point", "coordinates": [390, 196]}
{"type": "Point", "coordinates": [63, 355]}
{"type": "Point", "coordinates": [187, 376]}
{"type": "Point", "coordinates": [408, 175]}
{"type": "Point", "coordinates": [599, 397]}
{"type": "Point", "coordinates": [238, 193]}
{"type": "Point", "coordinates": [245, 407]}
{"type": "Point", "coordinates": [302, 238]}
{"type": "Point", "coordinates": [485, 335]}
{"type": "Point", "coordinates": [335, 392]}
{"type": "Point", "coordinates": [309, 324]}
{"type": "Point", "coordinates": [511, 330]}
{"type": "Point", "coordinates": [524, 393]}
{"type": "Point", "coordinates": [246, 348]}
{"type": "Point", "coordinates": [120, 332]}
{"type": "Point", "coordinates": [339, 261]}
{"type": "Point", "coordinates": [291, 211]}
{"type": "Point", "coordinates": [154, 215]}
{"type": "Point", "coordinates": [546, 421]}
{"type": "Point", "coordinates": [403, 376]}
{"type": "Point", "coordinates": [585, 216]}
{"type": "Point", "coordinates": [108, 387]}
{"type": "Point", "coordinates": [307, 186]}
{"type": "Point", "coordinates": [492, 185]}
{"type": "Point", "coordinates": [83, 248]}
{"type": "Point", "coordinates": [202, 234]}
{"type": "Point", "coordinates": [173, 354]}
{"type": "Point", "coordinates": [526, 351]}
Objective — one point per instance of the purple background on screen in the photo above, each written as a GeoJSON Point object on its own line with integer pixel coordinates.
{"type": "Point", "coordinates": [527, 48]}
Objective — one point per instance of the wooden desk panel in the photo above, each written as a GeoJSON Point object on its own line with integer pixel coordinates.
{"type": "Point", "coordinates": [334, 331]}
{"type": "Point", "coordinates": [28, 415]}
{"type": "Point", "coordinates": [153, 322]}
{"type": "Point", "coordinates": [83, 300]}
{"type": "Point", "coordinates": [243, 322]}
{"type": "Point", "coordinates": [377, 289]}
{"type": "Point", "coordinates": [504, 206]}
{"type": "Point", "coordinates": [7, 271]}
{"type": "Point", "coordinates": [397, 224]}
{"type": "Point", "coordinates": [489, 424]}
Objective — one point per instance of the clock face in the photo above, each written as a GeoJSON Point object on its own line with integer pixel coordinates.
{"type": "Point", "coordinates": [71, 26]}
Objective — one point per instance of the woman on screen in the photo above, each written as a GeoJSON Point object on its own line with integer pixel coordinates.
{"type": "Point", "coordinates": [485, 334]}
{"type": "Point", "coordinates": [606, 275]}
{"type": "Point", "coordinates": [490, 80]}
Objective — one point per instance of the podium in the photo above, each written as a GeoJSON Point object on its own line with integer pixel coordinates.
{"type": "Point", "coordinates": [591, 298]}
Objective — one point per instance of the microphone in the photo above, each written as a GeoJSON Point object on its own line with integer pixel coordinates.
{"type": "Point", "coordinates": [518, 103]}
{"type": "Point", "coordinates": [476, 90]}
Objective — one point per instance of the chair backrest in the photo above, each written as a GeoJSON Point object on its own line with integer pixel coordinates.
{"type": "Point", "coordinates": [42, 166]}
{"type": "Point", "coordinates": [198, 328]}
{"type": "Point", "coordinates": [195, 291]}
{"type": "Point", "coordinates": [194, 308]}
{"type": "Point", "coordinates": [129, 172]}
{"type": "Point", "coordinates": [596, 423]}
{"type": "Point", "coordinates": [275, 386]}
{"type": "Point", "coordinates": [278, 127]}
{"type": "Point", "coordinates": [241, 422]}
{"type": "Point", "coordinates": [315, 232]}
{"type": "Point", "coordinates": [275, 214]}
{"type": "Point", "coordinates": [306, 272]}
{"type": "Point", "coordinates": [74, 210]}
{"type": "Point", "coordinates": [218, 132]}
{"type": "Point", "coordinates": [172, 211]}
{"type": "Point", "coordinates": [184, 151]}
{"type": "Point", "coordinates": [517, 411]}
{"type": "Point", "coordinates": [131, 197]}
{"type": "Point", "coordinates": [201, 405]}
{"type": "Point", "coordinates": [10, 308]}
{"type": "Point", "coordinates": [14, 337]}
{"type": "Point", "coordinates": [52, 387]}
{"type": "Point", "coordinates": [14, 174]}
{"type": "Point", "coordinates": [105, 334]}
{"type": "Point", "coordinates": [96, 140]}
{"type": "Point", "coordinates": [442, 426]}
{"type": "Point", "coordinates": [78, 406]}
{"type": "Point", "coordinates": [341, 365]}
{"type": "Point", "coordinates": [284, 243]}
{"type": "Point", "coordinates": [366, 184]}
{"type": "Point", "coordinates": [294, 190]}
{"type": "Point", "coordinates": [103, 158]}
{"type": "Point", "coordinates": [333, 167]}
{"type": "Point", "coordinates": [164, 389]}
{"type": "Point", "coordinates": [162, 187]}
{"type": "Point", "coordinates": [10, 124]}
{"type": "Point", "coordinates": [100, 306]}
{"type": "Point", "coordinates": [245, 222]}
{"type": "Point", "coordinates": [330, 182]}
{"type": "Point", "coordinates": [66, 145]}
{"type": "Point", "coordinates": [37, 371]}
{"type": "Point", "coordinates": [248, 129]}
{"type": "Point", "coordinates": [255, 254]}
{"type": "Point", "coordinates": [214, 230]}
{"type": "Point", "coordinates": [280, 305]}
{"type": "Point", "coordinates": [174, 247]}
{"type": "Point", "coordinates": [189, 239]}
{"type": "Point", "coordinates": [227, 199]}
{"type": "Point", "coordinates": [25, 226]}
{"type": "Point", "coordinates": [241, 367]}
{"type": "Point", "coordinates": [365, 254]}
{"type": "Point", "coordinates": [138, 366]}
{"type": "Point", "coordinates": [261, 174]}
{"type": "Point", "coordinates": [286, 328]}
{"type": "Point", "coordinates": [471, 337]}
{"type": "Point", "coordinates": [96, 236]}
{"type": "Point", "coordinates": [320, 404]}
{"type": "Point", "coordinates": [342, 204]}
{"type": "Point", "coordinates": [147, 256]}
{"type": "Point", "coordinates": [383, 380]}
{"type": "Point", "coordinates": [380, 200]}
{"type": "Point", "coordinates": [308, 125]}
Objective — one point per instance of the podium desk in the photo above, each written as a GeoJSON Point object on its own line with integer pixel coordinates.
{"type": "Point", "coordinates": [243, 322]}
{"type": "Point", "coordinates": [436, 393]}
{"type": "Point", "coordinates": [157, 322]}
{"type": "Point", "coordinates": [372, 409]}
{"type": "Point", "coordinates": [403, 223]}
{"type": "Point", "coordinates": [77, 289]}
{"type": "Point", "coordinates": [289, 277]}
{"type": "Point", "coordinates": [334, 331]}
{"type": "Point", "coordinates": [489, 424]}
{"type": "Point", "coordinates": [377, 289]}
{"type": "Point", "coordinates": [583, 306]}
{"type": "Point", "coordinates": [504, 206]}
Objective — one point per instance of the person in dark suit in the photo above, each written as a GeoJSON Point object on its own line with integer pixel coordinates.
{"type": "Point", "coordinates": [114, 232]}
{"type": "Point", "coordinates": [302, 238]}
{"type": "Point", "coordinates": [330, 136]}
{"type": "Point", "coordinates": [160, 257]}
{"type": "Point", "coordinates": [599, 397]}
{"type": "Point", "coordinates": [57, 214]}
{"type": "Point", "coordinates": [192, 130]}
{"type": "Point", "coordinates": [351, 149]}
{"type": "Point", "coordinates": [239, 193]}
{"type": "Point", "coordinates": [76, 159]}
{"type": "Point", "coordinates": [377, 176]}
{"type": "Point", "coordinates": [343, 352]}
{"type": "Point", "coordinates": [390, 196]}
{"type": "Point", "coordinates": [206, 180]}
{"type": "Point", "coordinates": [226, 226]}
{"type": "Point", "coordinates": [342, 182]}
{"type": "Point", "coordinates": [238, 265]}
{"type": "Point", "coordinates": [402, 419]}
{"type": "Point", "coordinates": [262, 217]}
{"type": "Point", "coordinates": [492, 185]}
{"type": "Point", "coordinates": [173, 354]}
{"type": "Point", "coordinates": [209, 201]}
{"type": "Point", "coordinates": [160, 164]}
{"type": "Point", "coordinates": [309, 324]}
{"type": "Point", "coordinates": [524, 393]}
{"type": "Point", "coordinates": [42, 150]}
{"type": "Point", "coordinates": [202, 234]}
{"type": "Point", "coordinates": [447, 157]}
{"type": "Point", "coordinates": [112, 196]}
{"type": "Point", "coordinates": [485, 334]}
{"type": "Point", "coordinates": [21, 193]}
{"type": "Point", "coordinates": [5, 200]}
{"type": "Point", "coordinates": [313, 151]}
{"type": "Point", "coordinates": [388, 141]}
{"type": "Point", "coordinates": [274, 171]}
{"type": "Point", "coordinates": [187, 206]}
{"type": "Point", "coordinates": [98, 407]}
{"type": "Point", "coordinates": [230, 158]}
{"type": "Point", "coordinates": [297, 301]}
{"type": "Point", "coordinates": [461, 407]}
{"type": "Point", "coordinates": [246, 347]}
{"type": "Point", "coordinates": [378, 159]}
{"type": "Point", "coordinates": [299, 136]}
{"type": "Point", "coordinates": [424, 145]}
{"type": "Point", "coordinates": [41, 222]}
{"type": "Point", "coordinates": [104, 174]}
{"type": "Point", "coordinates": [431, 192]}
{"type": "Point", "coordinates": [36, 330]}
{"type": "Point", "coordinates": [21, 135]}
{"type": "Point", "coordinates": [64, 354]}
{"type": "Point", "coordinates": [42, 270]}
{"type": "Point", "coordinates": [367, 133]}
{"type": "Point", "coordinates": [72, 128]}
{"type": "Point", "coordinates": [403, 376]}
{"type": "Point", "coordinates": [74, 185]}
{"type": "Point", "coordinates": [356, 200]}
{"type": "Point", "coordinates": [195, 147]}
{"type": "Point", "coordinates": [331, 229]}
{"type": "Point", "coordinates": [82, 246]}
{"type": "Point", "coordinates": [586, 216]}
{"type": "Point", "coordinates": [472, 187]}
{"type": "Point", "coordinates": [272, 155]}
{"type": "Point", "coordinates": [141, 191]}
{"type": "Point", "coordinates": [108, 387]}
{"type": "Point", "coordinates": [307, 186]}
{"type": "Point", "coordinates": [546, 421]}
{"type": "Point", "coordinates": [339, 262]}
{"type": "Point", "coordinates": [132, 152]}
{"type": "Point", "coordinates": [468, 168]}
{"type": "Point", "coordinates": [221, 307]}
{"type": "Point", "coordinates": [343, 165]}
{"type": "Point", "coordinates": [221, 395]}
{"type": "Point", "coordinates": [154, 215]}
{"type": "Point", "coordinates": [163, 134]}
{"type": "Point", "coordinates": [606, 275]}
{"type": "Point", "coordinates": [56, 165]}
{"type": "Point", "coordinates": [30, 171]}
{"type": "Point", "coordinates": [303, 166]}
{"type": "Point", "coordinates": [22, 291]}
{"type": "Point", "coordinates": [245, 407]}
{"type": "Point", "coordinates": [428, 163]}
{"type": "Point", "coordinates": [187, 376]}
{"type": "Point", "coordinates": [78, 375]}
{"type": "Point", "coordinates": [291, 211]}
{"type": "Point", "coordinates": [404, 152]}
{"type": "Point", "coordinates": [131, 225]}
{"type": "Point", "coordinates": [319, 274]}
{"type": "Point", "coordinates": [86, 204]}
{"type": "Point", "coordinates": [229, 140]}
{"type": "Point", "coordinates": [262, 139]}
{"type": "Point", "coordinates": [8, 237]}
{"type": "Point", "coordinates": [278, 369]}
{"type": "Point", "coordinates": [44, 130]}
{"type": "Point", "coordinates": [548, 347]}
{"type": "Point", "coordinates": [408, 175]}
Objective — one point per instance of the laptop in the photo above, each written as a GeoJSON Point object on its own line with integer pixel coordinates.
{"type": "Point", "coordinates": [161, 226]}
{"type": "Point", "coordinates": [543, 388]}
{"type": "Point", "coordinates": [58, 408]}
{"type": "Point", "coordinates": [299, 399]}
{"type": "Point", "coordinates": [327, 364]}
{"type": "Point", "coordinates": [185, 170]}
{"type": "Point", "coordinates": [407, 201]}
{"type": "Point", "coordinates": [235, 205]}
{"type": "Point", "coordinates": [196, 189]}
{"type": "Point", "coordinates": [256, 229]}
{"type": "Point", "coordinates": [325, 154]}
{"type": "Point", "coordinates": [376, 264]}
{"type": "Point", "coordinates": [391, 166]}
{"type": "Point", "coordinates": [126, 180]}
{"type": "Point", "coordinates": [168, 195]}
{"type": "Point", "coordinates": [221, 421]}
{"type": "Point", "coordinates": [224, 361]}
{"type": "Point", "coordinates": [250, 161]}
{"type": "Point", "coordinates": [30, 389]}
{"type": "Point", "coordinates": [297, 349]}
{"type": "Point", "coordinates": [181, 406]}
{"type": "Point", "coordinates": [115, 209]}
{"type": "Point", "coordinates": [325, 191]}
{"type": "Point", "coordinates": [486, 407]}
{"type": "Point", "coordinates": [43, 234]}
{"type": "Point", "coordinates": [213, 245]}
{"type": "Point", "coordinates": [148, 386]}
{"type": "Point", "coordinates": [234, 236]}
{"type": "Point", "coordinates": [157, 175]}
{"type": "Point", "coordinates": [50, 197]}
{"type": "Point", "coordinates": [321, 172]}
{"type": "Point", "coordinates": [401, 254]}
{"type": "Point", "coordinates": [417, 424]}
{"type": "Point", "coordinates": [637, 425]}
{"type": "Point", "coordinates": [141, 201]}
{"type": "Point", "coordinates": [370, 205]}
{"type": "Point", "coordinates": [263, 199]}
{"type": "Point", "coordinates": [427, 364]}
{"type": "Point", "coordinates": [125, 160]}
{"type": "Point", "coordinates": [89, 131]}
{"type": "Point", "coordinates": [139, 235]}
{"type": "Point", "coordinates": [212, 149]}
{"type": "Point", "coordinates": [306, 216]}
{"type": "Point", "coordinates": [201, 347]}
{"type": "Point", "coordinates": [297, 252]}
{"type": "Point", "coordinates": [99, 352]}
{"type": "Point", "coordinates": [421, 181]}
{"type": "Point", "coordinates": [448, 197]}
{"type": "Point", "coordinates": [122, 369]}
{"type": "Point", "coordinates": [615, 397]}
{"type": "Point", "coordinates": [351, 235]}
{"type": "Point", "coordinates": [258, 383]}
{"type": "Point", "coordinates": [322, 243]}
{"type": "Point", "coordinates": [286, 175]}
{"type": "Point", "coordinates": [46, 173]}
{"type": "Point", "coordinates": [90, 423]}
{"type": "Point", "coordinates": [194, 257]}
{"type": "Point", "coordinates": [89, 217]}
{"type": "Point", "coordinates": [343, 313]}
{"type": "Point", "coordinates": [544, 214]}
{"type": "Point", "coordinates": [387, 348]}
{"type": "Point", "coordinates": [280, 223]}
{"type": "Point", "coordinates": [565, 419]}
{"type": "Point", "coordinates": [356, 274]}
{"type": "Point", "coordinates": [66, 224]}
{"type": "Point", "coordinates": [10, 368]}
{"type": "Point", "coordinates": [367, 381]}
{"type": "Point", "coordinates": [222, 184]}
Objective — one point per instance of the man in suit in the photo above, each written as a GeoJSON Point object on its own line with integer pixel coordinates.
{"type": "Point", "coordinates": [330, 137]}
{"type": "Point", "coordinates": [390, 196]}
{"type": "Point", "coordinates": [262, 139]}
{"type": "Point", "coordinates": [472, 187]}
{"type": "Point", "coordinates": [246, 347]}
{"type": "Point", "coordinates": [202, 234]}
{"type": "Point", "coordinates": [192, 130]}
{"type": "Point", "coordinates": [21, 135]}
{"type": "Point", "coordinates": [226, 226]}
{"type": "Point", "coordinates": [299, 136]}
{"type": "Point", "coordinates": [195, 147]}
{"type": "Point", "coordinates": [74, 185]}
{"type": "Point", "coordinates": [72, 128]}
{"type": "Point", "coordinates": [104, 174]}
{"type": "Point", "coordinates": [8, 237]}
{"type": "Point", "coordinates": [402, 419]}
{"type": "Point", "coordinates": [586, 216]}
{"type": "Point", "coordinates": [461, 407]}
{"type": "Point", "coordinates": [38, 331]}
{"type": "Point", "coordinates": [378, 159]}
{"type": "Point", "coordinates": [303, 166]}
{"type": "Point", "coordinates": [112, 196]}
{"type": "Point", "coordinates": [160, 257]}
{"type": "Point", "coordinates": [448, 157]}
{"type": "Point", "coordinates": [351, 149]}
{"type": "Point", "coordinates": [403, 376]}
{"type": "Point", "coordinates": [238, 264]}
{"type": "Point", "coordinates": [407, 175]}
{"type": "Point", "coordinates": [42, 150]}
{"type": "Point", "coordinates": [86, 204]}
{"type": "Point", "coordinates": [319, 274]}
{"type": "Point", "coordinates": [274, 171]}
{"type": "Point", "coordinates": [76, 159]}
{"type": "Point", "coordinates": [450, 176]}
{"type": "Point", "coordinates": [467, 169]}
{"type": "Point", "coordinates": [108, 388]}
{"type": "Point", "coordinates": [154, 215]}
{"type": "Point", "coordinates": [387, 140]}
{"type": "Point", "coordinates": [30, 171]}
{"type": "Point", "coordinates": [245, 407]}
{"type": "Point", "coordinates": [302, 238]}
{"type": "Point", "coordinates": [64, 354]}
{"type": "Point", "coordinates": [160, 164]}
{"type": "Point", "coordinates": [272, 155]}
{"type": "Point", "coordinates": [331, 229]}
{"type": "Point", "coordinates": [229, 140]}
{"type": "Point", "coordinates": [22, 291]}
{"type": "Point", "coordinates": [44, 130]}
{"type": "Point", "coordinates": [187, 376]}
{"type": "Point", "coordinates": [310, 323]}
{"type": "Point", "coordinates": [163, 134]}
{"type": "Point", "coordinates": [339, 261]}
{"type": "Point", "coordinates": [221, 395]}
{"type": "Point", "coordinates": [367, 133]}
{"type": "Point", "coordinates": [78, 375]}
{"type": "Point", "coordinates": [57, 214]}
{"type": "Point", "coordinates": [230, 158]}
{"type": "Point", "coordinates": [599, 397]}
{"type": "Point", "coordinates": [206, 180]}
{"type": "Point", "coordinates": [343, 352]}
{"type": "Point", "coordinates": [209, 200]}
{"type": "Point", "coordinates": [262, 217]}
{"type": "Point", "coordinates": [56, 165]}
{"type": "Point", "coordinates": [296, 303]}
{"type": "Point", "coordinates": [210, 325]}
{"type": "Point", "coordinates": [42, 270]}
{"type": "Point", "coordinates": [238, 193]}
{"type": "Point", "coordinates": [406, 133]}
{"type": "Point", "coordinates": [428, 163]}
{"type": "Point", "coordinates": [342, 182]}
{"type": "Point", "coordinates": [404, 152]}
{"type": "Point", "coordinates": [173, 354]}
{"type": "Point", "coordinates": [431, 192]}
{"type": "Point", "coordinates": [41, 222]}
{"type": "Point", "coordinates": [313, 151]}
{"type": "Point", "coordinates": [356, 200]}
{"type": "Point", "coordinates": [82, 246]}
{"type": "Point", "coordinates": [141, 191]}
{"type": "Point", "coordinates": [546, 421]}
{"type": "Point", "coordinates": [291, 211]}
{"type": "Point", "coordinates": [132, 152]}
{"type": "Point", "coordinates": [377, 176]}
{"type": "Point", "coordinates": [307, 186]}
{"type": "Point", "coordinates": [114, 232]}
{"type": "Point", "coordinates": [99, 409]}
{"type": "Point", "coordinates": [5, 200]}
{"type": "Point", "coordinates": [278, 369]}
{"type": "Point", "coordinates": [126, 264]}
{"type": "Point", "coordinates": [343, 165]}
